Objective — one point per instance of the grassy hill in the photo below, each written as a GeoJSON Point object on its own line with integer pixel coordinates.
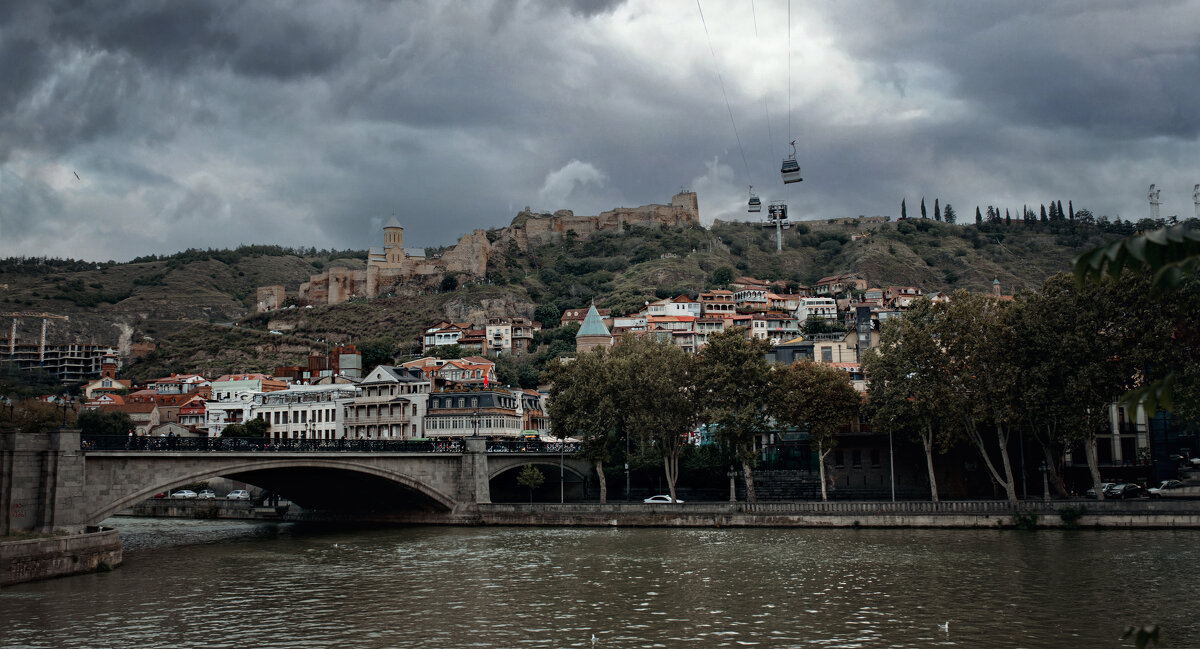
{"type": "Point", "coordinates": [187, 302]}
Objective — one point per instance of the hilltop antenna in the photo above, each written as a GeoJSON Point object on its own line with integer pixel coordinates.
{"type": "Point", "coordinates": [1154, 202]}
{"type": "Point", "coordinates": [1196, 199]}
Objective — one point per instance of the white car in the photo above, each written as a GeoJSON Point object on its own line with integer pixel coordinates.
{"type": "Point", "coordinates": [238, 494]}
{"type": "Point", "coordinates": [1167, 485]}
{"type": "Point", "coordinates": [184, 493]}
{"type": "Point", "coordinates": [660, 499]}
{"type": "Point", "coordinates": [207, 494]}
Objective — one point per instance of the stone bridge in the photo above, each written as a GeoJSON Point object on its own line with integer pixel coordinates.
{"type": "Point", "coordinates": [48, 482]}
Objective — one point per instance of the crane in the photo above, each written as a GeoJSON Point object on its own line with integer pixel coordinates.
{"type": "Point", "coordinates": [12, 337]}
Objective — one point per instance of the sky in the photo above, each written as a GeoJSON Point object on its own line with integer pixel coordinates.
{"type": "Point", "coordinates": [154, 126]}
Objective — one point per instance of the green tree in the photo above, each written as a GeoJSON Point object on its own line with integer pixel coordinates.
{"type": "Point", "coordinates": [449, 283]}
{"type": "Point", "coordinates": [530, 477]}
{"type": "Point", "coordinates": [656, 383]}
{"type": "Point", "coordinates": [257, 427]}
{"type": "Point", "coordinates": [937, 210]}
{"type": "Point", "coordinates": [950, 216]}
{"type": "Point", "coordinates": [908, 381]}
{"type": "Point", "coordinates": [818, 397]}
{"type": "Point", "coordinates": [548, 315]}
{"type": "Point", "coordinates": [96, 422]}
{"type": "Point", "coordinates": [903, 210]}
{"type": "Point", "coordinates": [582, 405]}
{"type": "Point", "coordinates": [984, 381]}
{"type": "Point", "coordinates": [1171, 256]}
{"type": "Point", "coordinates": [735, 380]}
{"type": "Point", "coordinates": [722, 276]}
{"type": "Point", "coordinates": [978, 216]}
{"type": "Point", "coordinates": [923, 214]}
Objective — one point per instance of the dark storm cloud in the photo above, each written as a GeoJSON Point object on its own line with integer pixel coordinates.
{"type": "Point", "coordinates": [1102, 67]}
{"type": "Point", "coordinates": [207, 123]}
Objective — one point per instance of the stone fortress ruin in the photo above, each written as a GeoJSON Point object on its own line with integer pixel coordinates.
{"type": "Point", "coordinates": [394, 268]}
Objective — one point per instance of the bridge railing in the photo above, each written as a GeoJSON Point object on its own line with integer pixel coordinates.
{"type": "Point", "coordinates": [248, 444]}
{"type": "Point", "coordinates": [533, 446]}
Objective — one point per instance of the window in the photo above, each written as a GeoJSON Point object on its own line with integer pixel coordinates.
{"type": "Point", "coordinates": [856, 458]}
{"type": "Point", "coordinates": [827, 354]}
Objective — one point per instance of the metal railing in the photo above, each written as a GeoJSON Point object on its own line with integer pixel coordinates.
{"type": "Point", "coordinates": [249, 444]}
{"type": "Point", "coordinates": [258, 444]}
{"type": "Point", "coordinates": [533, 446]}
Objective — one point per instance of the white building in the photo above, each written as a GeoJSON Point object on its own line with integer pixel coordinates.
{"type": "Point", "coordinates": [304, 411]}
{"type": "Point", "coordinates": [820, 308]}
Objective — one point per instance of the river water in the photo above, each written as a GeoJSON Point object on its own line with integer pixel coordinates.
{"type": "Point", "coordinates": [225, 584]}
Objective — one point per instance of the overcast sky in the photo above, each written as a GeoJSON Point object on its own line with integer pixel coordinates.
{"type": "Point", "coordinates": [212, 124]}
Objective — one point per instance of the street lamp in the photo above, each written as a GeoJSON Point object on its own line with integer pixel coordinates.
{"type": "Point", "coordinates": [475, 424]}
{"type": "Point", "coordinates": [66, 403]}
{"type": "Point", "coordinates": [1045, 481]}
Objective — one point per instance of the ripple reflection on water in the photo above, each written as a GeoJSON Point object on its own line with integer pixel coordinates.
{"type": "Point", "coordinates": [265, 585]}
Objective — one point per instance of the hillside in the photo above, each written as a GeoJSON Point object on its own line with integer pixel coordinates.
{"type": "Point", "coordinates": [181, 301]}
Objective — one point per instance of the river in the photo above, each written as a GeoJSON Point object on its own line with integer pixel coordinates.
{"type": "Point", "coordinates": [227, 584]}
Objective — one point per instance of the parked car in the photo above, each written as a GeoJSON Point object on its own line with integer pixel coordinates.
{"type": "Point", "coordinates": [184, 493]}
{"type": "Point", "coordinates": [660, 499]}
{"type": "Point", "coordinates": [206, 494]}
{"type": "Point", "coordinates": [1104, 487]}
{"type": "Point", "coordinates": [1125, 490]}
{"type": "Point", "coordinates": [238, 494]}
{"type": "Point", "coordinates": [1167, 485]}
{"type": "Point", "coordinates": [161, 494]}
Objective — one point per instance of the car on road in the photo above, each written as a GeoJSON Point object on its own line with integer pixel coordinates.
{"type": "Point", "coordinates": [1125, 490]}
{"type": "Point", "coordinates": [1104, 487]}
{"type": "Point", "coordinates": [660, 499]}
{"type": "Point", "coordinates": [238, 494]}
{"type": "Point", "coordinates": [206, 494]}
{"type": "Point", "coordinates": [1167, 485]}
{"type": "Point", "coordinates": [184, 493]}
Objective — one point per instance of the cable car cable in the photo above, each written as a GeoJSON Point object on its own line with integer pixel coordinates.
{"type": "Point", "coordinates": [728, 108]}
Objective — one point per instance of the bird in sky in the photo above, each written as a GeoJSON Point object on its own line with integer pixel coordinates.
{"type": "Point", "coordinates": [76, 175]}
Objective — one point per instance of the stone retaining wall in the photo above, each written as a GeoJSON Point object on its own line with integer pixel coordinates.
{"type": "Point", "coordinates": [58, 556]}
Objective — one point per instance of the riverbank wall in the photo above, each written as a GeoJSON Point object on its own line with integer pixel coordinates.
{"type": "Point", "coordinates": [97, 549]}
{"type": "Point", "coordinates": [222, 509]}
{"type": "Point", "coordinates": [1143, 514]}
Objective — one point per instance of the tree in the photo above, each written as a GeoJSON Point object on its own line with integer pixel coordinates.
{"type": "Point", "coordinates": [655, 382]}
{"type": "Point", "coordinates": [983, 381]}
{"type": "Point", "coordinates": [735, 380]}
{"type": "Point", "coordinates": [548, 315]}
{"type": "Point", "coordinates": [909, 379]}
{"type": "Point", "coordinates": [722, 276]}
{"type": "Point", "coordinates": [923, 214]}
{"type": "Point", "coordinates": [1043, 213]}
{"type": "Point", "coordinates": [96, 422]}
{"type": "Point", "coordinates": [818, 397]}
{"type": "Point", "coordinates": [1070, 209]}
{"type": "Point", "coordinates": [257, 427]}
{"type": "Point", "coordinates": [903, 210]}
{"type": "Point", "coordinates": [1171, 256]}
{"type": "Point", "coordinates": [950, 216]}
{"type": "Point", "coordinates": [530, 477]}
{"type": "Point", "coordinates": [582, 405]}
{"type": "Point", "coordinates": [937, 211]}
{"type": "Point", "coordinates": [978, 216]}
{"type": "Point", "coordinates": [1007, 217]}
{"type": "Point", "coordinates": [449, 283]}
{"type": "Point", "coordinates": [1060, 211]}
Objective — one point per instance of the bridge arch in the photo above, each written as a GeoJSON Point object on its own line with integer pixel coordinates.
{"type": "Point", "coordinates": [105, 508]}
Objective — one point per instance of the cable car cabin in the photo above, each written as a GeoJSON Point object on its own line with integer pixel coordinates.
{"type": "Point", "coordinates": [777, 212]}
{"type": "Point", "coordinates": [755, 205]}
{"type": "Point", "coordinates": [790, 170]}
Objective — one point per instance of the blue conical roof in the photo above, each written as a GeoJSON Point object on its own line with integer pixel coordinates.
{"type": "Point", "coordinates": [593, 324]}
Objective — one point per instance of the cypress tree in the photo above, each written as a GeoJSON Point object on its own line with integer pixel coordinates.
{"type": "Point", "coordinates": [903, 210]}
{"type": "Point", "coordinates": [978, 216]}
{"type": "Point", "coordinates": [1060, 212]}
{"type": "Point", "coordinates": [1043, 213]}
{"type": "Point", "coordinates": [1007, 217]}
{"type": "Point", "coordinates": [923, 214]}
{"type": "Point", "coordinates": [1071, 210]}
{"type": "Point", "coordinates": [937, 211]}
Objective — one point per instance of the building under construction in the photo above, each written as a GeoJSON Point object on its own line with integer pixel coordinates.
{"type": "Point", "coordinates": [67, 361]}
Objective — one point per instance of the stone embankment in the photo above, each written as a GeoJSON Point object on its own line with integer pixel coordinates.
{"type": "Point", "coordinates": [222, 509]}
{"type": "Point", "coordinates": [97, 549]}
